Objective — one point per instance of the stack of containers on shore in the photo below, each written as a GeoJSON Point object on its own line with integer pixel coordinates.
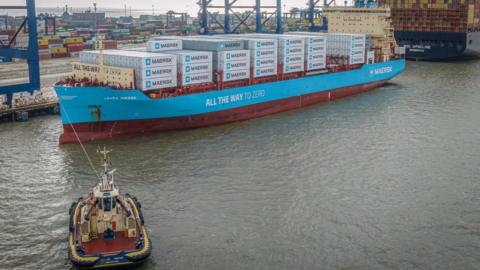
{"type": "Point", "coordinates": [349, 46]}
{"type": "Point", "coordinates": [315, 50]}
{"type": "Point", "coordinates": [43, 51]}
{"type": "Point", "coordinates": [291, 52]}
{"type": "Point", "coordinates": [55, 46]}
{"type": "Point", "coordinates": [74, 45]}
{"type": "Point", "coordinates": [152, 70]}
{"type": "Point", "coordinates": [230, 60]}
{"type": "Point", "coordinates": [263, 55]}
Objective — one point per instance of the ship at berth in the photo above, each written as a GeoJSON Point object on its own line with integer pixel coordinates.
{"type": "Point", "coordinates": [191, 81]}
{"type": "Point", "coordinates": [437, 29]}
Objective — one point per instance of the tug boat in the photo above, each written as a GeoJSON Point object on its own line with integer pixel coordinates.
{"type": "Point", "coordinates": [107, 228]}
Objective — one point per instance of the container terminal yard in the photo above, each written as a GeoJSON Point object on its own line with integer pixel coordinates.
{"type": "Point", "coordinates": [296, 166]}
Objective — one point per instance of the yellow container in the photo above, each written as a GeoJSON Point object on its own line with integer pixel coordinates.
{"type": "Point", "coordinates": [58, 50]}
{"type": "Point", "coordinates": [50, 37]}
{"type": "Point", "coordinates": [73, 40]}
{"type": "Point", "coordinates": [43, 42]}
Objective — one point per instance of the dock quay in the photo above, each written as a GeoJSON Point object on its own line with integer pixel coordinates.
{"type": "Point", "coordinates": [23, 113]}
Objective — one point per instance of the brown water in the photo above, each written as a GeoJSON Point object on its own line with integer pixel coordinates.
{"type": "Point", "coordinates": [385, 180]}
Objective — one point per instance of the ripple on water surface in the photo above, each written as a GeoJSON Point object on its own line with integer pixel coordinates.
{"type": "Point", "coordinates": [386, 179]}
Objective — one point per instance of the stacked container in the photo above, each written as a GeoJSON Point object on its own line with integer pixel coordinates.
{"type": "Point", "coordinates": [291, 52]}
{"type": "Point", "coordinates": [315, 50]}
{"type": "Point", "coordinates": [152, 70]}
{"type": "Point", "coordinates": [351, 46]}
{"type": "Point", "coordinates": [195, 67]}
{"type": "Point", "coordinates": [263, 55]}
{"type": "Point", "coordinates": [230, 60]}
{"type": "Point", "coordinates": [158, 44]}
{"type": "Point", "coordinates": [232, 65]}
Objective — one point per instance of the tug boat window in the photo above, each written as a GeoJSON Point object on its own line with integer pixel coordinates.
{"type": "Point", "coordinates": [107, 204]}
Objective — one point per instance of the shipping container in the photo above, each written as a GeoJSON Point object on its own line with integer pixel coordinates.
{"type": "Point", "coordinates": [217, 45]}
{"type": "Point", "coordinates": [161, 45]}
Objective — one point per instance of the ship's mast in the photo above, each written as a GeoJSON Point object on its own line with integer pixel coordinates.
{"type": "Point", "coordinates": [105, 152]}
{"type": "Point", "coordinates": [99, 46]}
{"type": "Point", "coordinates": [107, 176]}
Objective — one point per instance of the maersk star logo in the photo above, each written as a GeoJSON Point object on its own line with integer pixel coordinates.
{"type": "Point", "coordinates": [228, 65]}
{"type": "Point", "coordinates": [228, 55]}
{"type": "Point", "coordinates": [187, 69]}
{"type": "Point", "coordinates": [157, 46]}
{"type": "Point", "coordinates": [148, 62]}
{"type": "Point", "coordinates": [148, 73]}
{"type": "Point", "coordinates": [187, 79]}
{"type": "Point", "coordinates": [372, 72]}
{"type": "Point", "coordinates": [187, 58]}
{"type": "Point", "coordinates": [149, 84]}
{"type": "Point", "coordinates": [228, 76]}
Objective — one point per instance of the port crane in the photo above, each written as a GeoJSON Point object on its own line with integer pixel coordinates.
{"type": "Point", "coordinates": [30, 53]}
{"type": "Point", "coordinates": [261, 18]}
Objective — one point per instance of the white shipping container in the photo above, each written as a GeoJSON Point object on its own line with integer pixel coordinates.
{"type": "Point", "coordinates": [130, 59]}
{"type": "Point", "coordinates": [316, 65]}
{"type": "Point", "coordinates": [283, 40]}
{"type": "Point", "coordinates": [316, 57]}
{"type": "Point", "coordinates": [265, 62]}
{"type": "Point", "coordinates": [227, 56]}
{"type": "Point", "coordinates": [290, 68]}
{"type": "Point", "coordinates": [291, 59]}
{"type": "Point", "coordinates": [190, 79]}
{"type": "Point", "coordinates": [236, 75]}
{"type": "Point", "coordinates": [316, 49]}
{"type": "Point", "coordinates": [264, 53]}
{"type": "Point", "coordinates": [195, 68]}
{"type": "Point", "coordinates": [192, 57]}
{"type": "Point", "coordinates": [260, 43]}
{"type": "Point", "coordinates": [157, 83]}
{"type": "Point", "coordinates": [157, 72]}
{"type": "Point", "coordinates": [265, 71]}
{"type": "Point", "coordinates": [201, 43]}
{"type": "Point", "coordinates": [291, 50]}
{"type": "Point", "coordinates": [236, 65]}
{"type": "Point", "coordinates": [161, 45]}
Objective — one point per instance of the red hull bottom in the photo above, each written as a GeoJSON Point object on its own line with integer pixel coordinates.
{"type": "Point", "coordinates": [104, 130]}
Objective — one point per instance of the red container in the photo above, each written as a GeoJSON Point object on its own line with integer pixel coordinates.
{"type": "Point", "coordinates": [45, 56]}
{"type": "Point", "coordinates": [110, 44]}
{"type": "Point", "coordinates": [75, 47]}
{"type": "Point", "coordinates": [60, 55]}
{"type": "Point", "coordinates": [43, 47]}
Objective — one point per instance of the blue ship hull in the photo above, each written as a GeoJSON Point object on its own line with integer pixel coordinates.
{"type": "Point", "coordinates": [101, 112]}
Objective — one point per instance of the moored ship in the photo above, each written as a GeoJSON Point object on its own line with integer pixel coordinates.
{"type": "Point", "coordinates": [436, 30]}
{"type": "Point", "coordinates": [291, 71]}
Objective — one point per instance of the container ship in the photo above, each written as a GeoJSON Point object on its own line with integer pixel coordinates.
{"type": "Point", "coordinates": [436, 29]}
{"type": "Point", "coordinates": [196, 81]}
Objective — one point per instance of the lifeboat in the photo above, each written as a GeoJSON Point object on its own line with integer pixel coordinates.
{"type": "Point", "coordinates": [107, 228]}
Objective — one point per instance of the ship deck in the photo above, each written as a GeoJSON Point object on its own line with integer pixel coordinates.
{"type": "Point", "coordinates": [101, 246]}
